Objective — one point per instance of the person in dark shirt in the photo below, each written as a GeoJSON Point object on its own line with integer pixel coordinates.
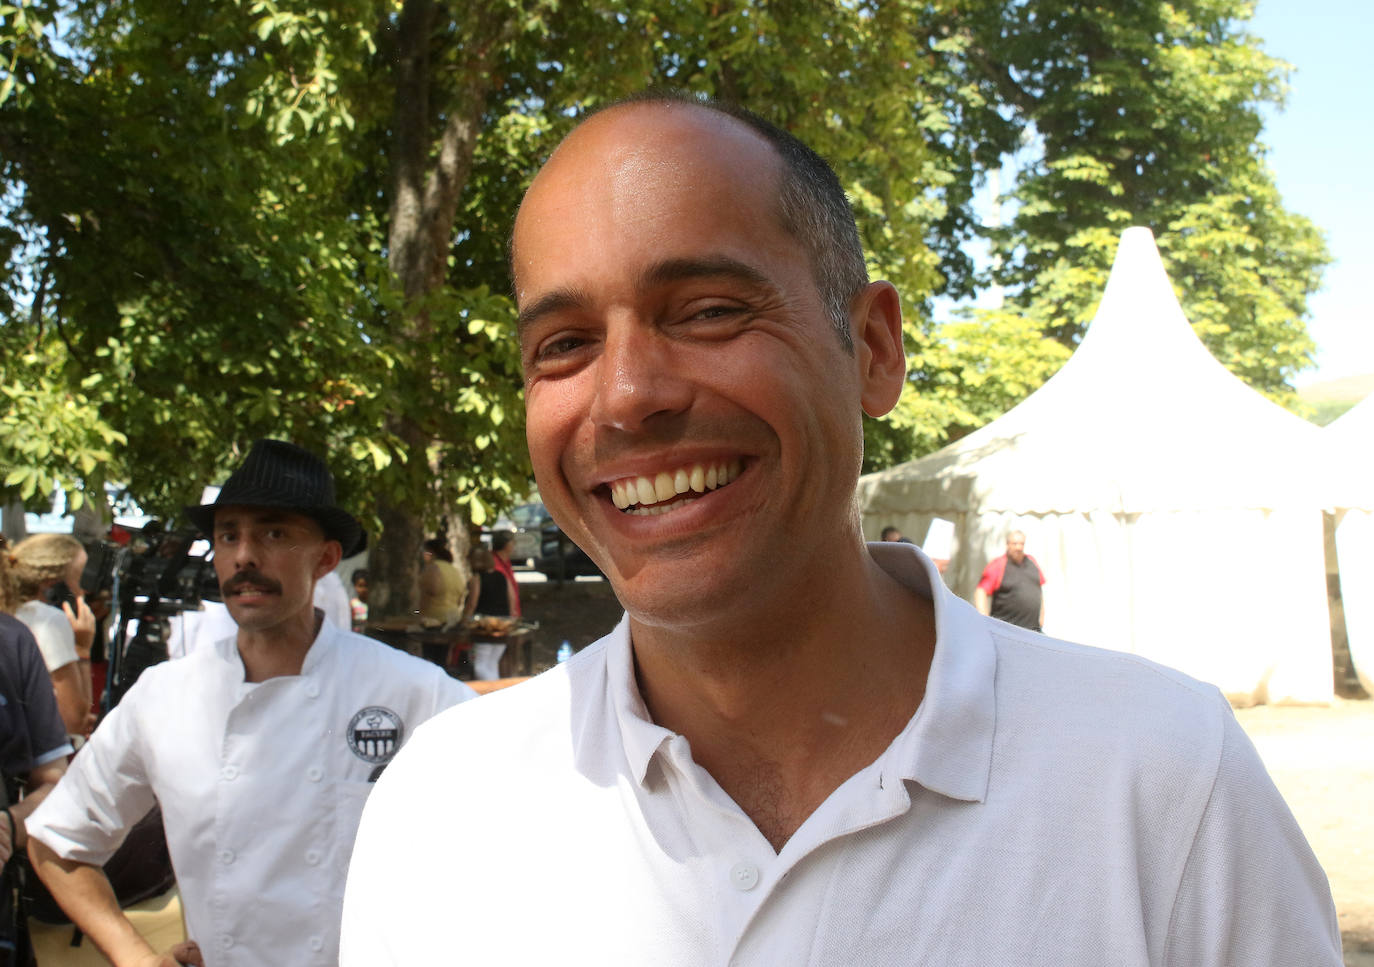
{"type": "Point", "coordinates": [1010, 588]}
{"type": "Point", "coordinates": [502, 543]}
{"type": "Point", "coordinates": [33, 740]}
{"type": "Point", "coordinates": [489, 592]}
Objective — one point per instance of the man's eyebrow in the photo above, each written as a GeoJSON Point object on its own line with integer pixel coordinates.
{"type": "Point", "coordinates": [710, 266]}
{"type": "Point", "coordinates": [551, 302]}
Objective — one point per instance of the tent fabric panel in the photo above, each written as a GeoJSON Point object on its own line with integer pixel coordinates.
{"type": "Point", "coordinates": [1355, 552]}
{"type": "Point", "coordinates": [1235, 598]}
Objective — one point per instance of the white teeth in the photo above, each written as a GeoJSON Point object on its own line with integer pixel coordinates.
{"type": "Point", "coordinates": [663, 487]}
{"type": "Point", "coordinates": [696, 479]}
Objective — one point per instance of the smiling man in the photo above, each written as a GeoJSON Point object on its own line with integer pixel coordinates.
{"type": "Point", "coordinates": [796, 748]}
{"type": "Point", "coordinates": [260, 750]}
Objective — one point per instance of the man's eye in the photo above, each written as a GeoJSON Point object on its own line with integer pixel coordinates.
{"type": "Point", "coordinates": [717, 312]}
{"type": "Point", "coordinates": [558, 346]}
{"type": "Point", "coordinates": [725, 313]}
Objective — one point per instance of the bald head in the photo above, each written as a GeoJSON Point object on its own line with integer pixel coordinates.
{"type": "Point", "coordinates": [658, 128]}
{"type": "Point", "coordinates": [1016, 546]}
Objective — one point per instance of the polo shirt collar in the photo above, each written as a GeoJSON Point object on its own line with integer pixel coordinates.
{"type": "Point", "coordinates": [639, 735]}
{"type": "Point", "coordinates": [947, 745]}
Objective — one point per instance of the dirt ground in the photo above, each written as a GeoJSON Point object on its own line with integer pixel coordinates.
{"type": "Point", "coordinates": [1322, 759]}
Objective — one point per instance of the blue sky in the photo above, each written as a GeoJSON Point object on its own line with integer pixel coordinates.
{"type": "Point", "coordinates": [1322, 147]}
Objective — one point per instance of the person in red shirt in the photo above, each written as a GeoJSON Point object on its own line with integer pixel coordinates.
{"type": "Point", "coordinates": [1010, 588]}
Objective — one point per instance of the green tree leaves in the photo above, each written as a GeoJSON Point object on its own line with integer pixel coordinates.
{"type": "Point", "coordinates": [278, 217]}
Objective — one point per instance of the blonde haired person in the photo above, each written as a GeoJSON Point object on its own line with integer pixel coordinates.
{"type": "Point", "coordinates": [64, 634]}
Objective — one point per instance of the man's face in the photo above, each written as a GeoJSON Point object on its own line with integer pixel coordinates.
{"type": "Point", "coordinates": [267, 562]}
{"type": "Point", "coordinates": [1016, 547]}
{"type": "Point", "coordinates": [692, 418]}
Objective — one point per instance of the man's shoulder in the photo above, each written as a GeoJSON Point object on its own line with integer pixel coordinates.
{"type": "Point", "coordinates": [369, 662]}
{"type": "Point", "coordinates": [1083, 694]}
{"type": "Point", "coordinates": [360, 650]}
{"type": "Point", "coordinates": [995, 566]}
{"type": "Point", "coordinates": [202, 668]}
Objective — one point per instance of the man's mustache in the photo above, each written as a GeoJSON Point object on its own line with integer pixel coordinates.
{"type": "Point", "coordinates": [255, 578]}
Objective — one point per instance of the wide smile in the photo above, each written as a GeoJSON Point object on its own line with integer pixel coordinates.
{"type": "Point", "coordinates": [668, 490]}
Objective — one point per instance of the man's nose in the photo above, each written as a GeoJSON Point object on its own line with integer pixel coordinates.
{"type": "Point", "coordinates": [639, 379]}
{"type": "Point", "coordinates": [245, 553]}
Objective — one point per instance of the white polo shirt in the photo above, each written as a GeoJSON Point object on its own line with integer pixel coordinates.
{"type": "Point", "coordinates": [1047, 804]}
{"type": "Point", "coordinates": [261, 786]}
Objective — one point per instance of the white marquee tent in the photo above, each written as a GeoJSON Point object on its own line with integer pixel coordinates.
{"type": "Point", "coordinates": [1172, 508]}
{"type": "Point", "coordinates": [1350, 441]}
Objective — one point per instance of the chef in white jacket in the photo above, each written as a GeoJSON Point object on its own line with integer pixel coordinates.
{"type": "Point", "coordinates": [261, 749]}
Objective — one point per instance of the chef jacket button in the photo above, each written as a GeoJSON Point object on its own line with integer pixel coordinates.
{"type": "Point", "coordinates": [314, 773]}
{"type": "Point", "coordinates": [317, 943]}
{"type": "Point", "coordinates": [226, 856]}
{"type": "Point", "coordinates": [744, 876]}
{"type": "Point", "coordinates": [313, 690]}
{"type": "Point", "coordinates": [312, 856]}
{"type": "Point", "coordinates": [229, 773]}
{"type": "Point", "coordinates": [226, 942]}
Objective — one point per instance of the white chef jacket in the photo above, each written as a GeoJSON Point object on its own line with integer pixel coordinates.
{"type": "Point", "coordinates": [1047, 804]}
{"type": "Point", "coordinates": [261, 786]}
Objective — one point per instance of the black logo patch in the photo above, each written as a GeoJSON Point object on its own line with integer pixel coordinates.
{"type": "Point", "coordinates": [375, 734]}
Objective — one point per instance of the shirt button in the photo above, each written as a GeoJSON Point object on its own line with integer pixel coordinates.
{"type": "Point", "coordinates": [312, 856]}
{"type": "Point", "coordinates": [226, 942]}
{"type": "Point", "coordinates": [226, 856]}
{"type": "Point", "coordinates": [744, 876]}
{"type": "Point", "coordinates": [314, 773]}
{"type": "Point", "coordinates": [317, 943]}
{"type": "Point", "coordinates": [229, 773]}
{"type": "Point", "coordinates": [313, 690]}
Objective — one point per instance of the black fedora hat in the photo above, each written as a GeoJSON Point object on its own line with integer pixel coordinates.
{"type": "Point", "coordinates": [280, 474]}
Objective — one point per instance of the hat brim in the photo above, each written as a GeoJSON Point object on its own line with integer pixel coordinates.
{"type": "Point", "coordinates": [337, 524]}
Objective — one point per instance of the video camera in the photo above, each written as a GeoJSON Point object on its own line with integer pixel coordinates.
{"type": "Point", "coordinates": [157, 575]}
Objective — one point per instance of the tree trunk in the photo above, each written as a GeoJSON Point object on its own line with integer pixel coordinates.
{"type": "Point", "coordinates": [394, 564]}
{"type": "Point", "coordinates": [427, 182]}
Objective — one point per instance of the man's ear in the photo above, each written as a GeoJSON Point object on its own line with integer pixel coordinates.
{"type": "Point", "coordinates": [330, 556]}
{"type": "Point", "coordinates": [875, 321]}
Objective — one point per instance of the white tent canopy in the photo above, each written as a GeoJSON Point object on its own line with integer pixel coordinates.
{"type": "Point", "coordinates": [1350, 442]}
{"type": "Point", "coordinates": [1172, 508]}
